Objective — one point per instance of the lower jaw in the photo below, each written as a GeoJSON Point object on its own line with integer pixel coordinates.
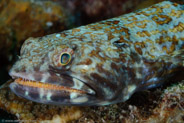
{"type": "Point", "coordinates": [48, 93]}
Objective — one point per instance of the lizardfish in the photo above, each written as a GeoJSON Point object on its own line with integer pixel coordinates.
{"type": "Point", "coordinates": [105, 62]}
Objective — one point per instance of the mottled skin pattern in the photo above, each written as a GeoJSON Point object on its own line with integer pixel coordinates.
{"type": "Point", "coordinates": [110, 60]}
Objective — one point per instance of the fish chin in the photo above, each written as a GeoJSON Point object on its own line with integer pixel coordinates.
{"type": "Point", "coordinates": [47, 93]}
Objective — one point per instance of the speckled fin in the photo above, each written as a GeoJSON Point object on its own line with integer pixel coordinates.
{"type": "Point", "coordinates": [162, 69]}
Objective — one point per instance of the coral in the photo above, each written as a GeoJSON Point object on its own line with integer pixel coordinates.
{"type": "Point", "coordinates": [171, 108]}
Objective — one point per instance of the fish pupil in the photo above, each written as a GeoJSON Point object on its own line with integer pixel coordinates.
{"type": "Point", "coordinates": [65, 58]}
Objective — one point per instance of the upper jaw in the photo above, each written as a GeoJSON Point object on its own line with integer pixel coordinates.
{"type": "Point", "coordinates": [69, 82]}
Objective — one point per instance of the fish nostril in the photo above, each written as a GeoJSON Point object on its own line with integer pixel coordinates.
{"type": "Point", "coordinates": [74, 47]}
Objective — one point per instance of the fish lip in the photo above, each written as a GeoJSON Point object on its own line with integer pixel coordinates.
{"type": "Point", "coordinates": [27, 77]}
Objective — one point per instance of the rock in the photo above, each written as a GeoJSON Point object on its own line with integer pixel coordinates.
{"type": "Point", "coordinates": [158, 105]}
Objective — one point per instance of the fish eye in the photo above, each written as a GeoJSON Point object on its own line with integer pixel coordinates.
{"type": "Point", "coordinates": [65, 58]}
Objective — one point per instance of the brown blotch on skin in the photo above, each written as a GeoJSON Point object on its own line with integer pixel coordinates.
{"type": "Point", "coordinates": [75, 30]}
{"type": "Point", "coordinates": [172, 48]}
{"type": "Point", "coordinates": [94, 26]}
{"type": "Point", "coordinates": [115, 22]}
{"type": "Point", "coordinates": [110, 36]}
{"type": "Point", "coordinates": [164, 48]}
{"type": "Point", "coordinates": [178, 28]}
{"type": "Point", "coordinates": [132, 18]}
{"type": "Point", "coordinates": [176, 13]}
{"type": "Point", "coordinates": [141, 24]}
{"type": "Point", "coordinates": [102, 70]}
{"type": "Point", "coordinates": [160, 40]}
{"type": "Point", "coordinates": [126, 30]}
{"type": "Point", "coordinates": [159, 19]}
{"type": "Point", "coordinates": [154, 32]}
{"type": "Point", "coordinates": [138, 49]}
{"type": "Point", "coordinates": [175, 40]}
{"type": "Point", "coordinates": [164, 40]}
{"type": "Point", "coordinates": [87, 32]}
{"type": "Point", "coordinates": [158, 10]}
{"type": "Point", "coordinates": [140, 44]}
{"type": "Point", "coordinates": [143, 34]}
{"type": "Point", "coordinates": [122, 42]}
{"type": "Point", "coordinates": [103, 80]}
{"type": "Point", "coordinates": [175, 4]}
{"type": "Point", "coordinates": [121, 59]}
{"type": "Point", "coordinates": [115, 67]}
{"type": "Point", "coordinates": [63, 34]}
{"type": "Point", "coordinates": [110, 22]}
{"type": "Point", "coordinates": [88, 61]}
{"type": "Point", "coordinates": [95, 53]}
{"type": "Point", "coordinates": [182, 38]}
{"type": "Point", "coordinates": [107, 30]}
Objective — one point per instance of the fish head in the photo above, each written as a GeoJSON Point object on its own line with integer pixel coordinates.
{"type": "Point", "coordinates": [60, 73]}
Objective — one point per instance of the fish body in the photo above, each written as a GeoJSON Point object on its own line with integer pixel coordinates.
{"type": "Point", "coordinates": [105, 62]}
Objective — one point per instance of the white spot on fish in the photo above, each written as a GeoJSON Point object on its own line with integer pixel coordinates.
{"type": "Point", "coordinates": [26, 93]}
{"type": "Point", "coordinates": [49, 95]}
{"type": "Point", "coordinates": [77, 84]}
{"type": "Point", "coordinates": [58, 35]}
{"type": "Point", "coordinates": [104, 103]}
{"type": "Point", "coordinates": [138, 75]}
{"type": "Point", "coordinates": [79, 100]}
{"type": "Point", "coordinates": [73, 95]}
{"type": "Point", "coordinates": [45, 77]}
{"type": "Point", "coordinates": [128, 92]}
{"type": "Point", "coordinates": [41, 93]}
{"type": "Point", "coordinates": [131, 88]}
{"type": "Point", "coordinates": [67, 67]}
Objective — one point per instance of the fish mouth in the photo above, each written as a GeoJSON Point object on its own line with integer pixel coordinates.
{"type": "Point", "coordinates": [52, 93]}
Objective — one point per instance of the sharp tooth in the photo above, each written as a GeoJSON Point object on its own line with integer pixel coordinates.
{"type": "Point", "coordinates": [26, 93]}
{"type": "Point", "coordinates": [49, 96]}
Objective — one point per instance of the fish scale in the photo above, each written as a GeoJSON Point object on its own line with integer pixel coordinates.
{"type": "Point", "coordinates": [110, 60]}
